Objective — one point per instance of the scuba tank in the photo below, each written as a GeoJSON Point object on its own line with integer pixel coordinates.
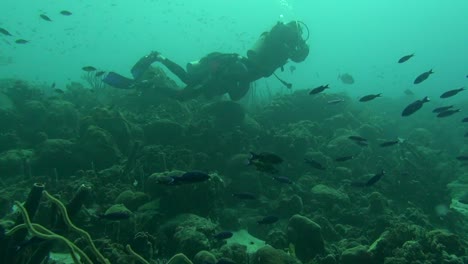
{"type": "Point", "coordinates": [258, 47]}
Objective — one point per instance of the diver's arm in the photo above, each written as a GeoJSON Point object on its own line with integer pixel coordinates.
{"type": "Point", "coordinates": [176, 69]}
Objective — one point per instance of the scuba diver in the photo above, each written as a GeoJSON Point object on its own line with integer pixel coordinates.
{"type": "Point", "coordinates": [220, 73]}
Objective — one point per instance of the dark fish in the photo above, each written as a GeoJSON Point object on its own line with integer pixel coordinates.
{"type": "Point", "coordinates": [88, 68]}
{"type": "Point", "coordinates": [265, 157]}
{"type": "Point", "coordinates": [346, 78]}
{"type": "Point", "coordinates": [362, 143]}
{"type": "Point", "coordinates": [405, 58]}
{"type": "Point", "coordinates": [5, 32]}
{"type": "Point", "coordinates": [441, 109]}
{"type": "Point", "coordinates": [462, 158]}
{"type": "Point", "coordinates": [223, 235]}
{"type": "Point", "coordinates": [369, 97]}
{"type": "Point", "coordinates": [99, 73]}
{"type": "Point", "coordinates": [315, 164]}
{"type": "Point", "coordinates": [389, 143]}
{"type": "Point", "coordinates": [46, 18]}
{"type": "Point", "coordinates": [190, 177]}
{"type": "Point", "coordinates": [59, 91]}
{"type": "Point", "coordinates": [371, 181]}
{"type": "Point", "coordinates": [414, 106]}
{"type": "Point", "coordinates": [448, 112]}
{"type": "Point", "coordinates": [465, 120]}
{"type": "Point", "coordinates": [466, 134]}
{"type": "Point", "coordinates": [21, 41]}
{"type": "Point", "coordinates": [115, 216]}
{"type": "Point", "coordinates": [52, 86]}
{"type": "Point", "coordinates": [245, 196]}
{"type": "Point", "coordinates": [422, 77]}
{"type": "Point", "coordinates": [451, 92]}
{"type": "Point", "coordinates": [344, 158]}
{"type": "Point", "coordinates": [357, 138]}
{"type": "Point", "coordinates": [283, 179]}
{"type": "Point", "coordinates": [292, 68]}
{"type": "Point", "coordinates": [66, 13]}
{"type": "Point", "coordinates": [336, 101]}
{"type": "Point", "coordinates": [268, 220]}
{"type": "Point", "coordinates": [375, 178]}
{"type": "Point", "coordinates": [319, 89]}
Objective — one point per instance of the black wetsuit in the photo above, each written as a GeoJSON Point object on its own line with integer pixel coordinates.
{"type": "Point", "coordinates": [219, 73]}
{"type": "Point", "coordinates": [214, 75]}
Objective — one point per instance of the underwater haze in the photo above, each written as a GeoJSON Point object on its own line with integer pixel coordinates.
{"type": "Point", "coordinates": [131, 131]}
{"type": "Point", "coordinates": [362, 37]}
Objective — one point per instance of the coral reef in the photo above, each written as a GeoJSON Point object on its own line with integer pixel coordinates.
{"type": "Point", "coordinates": [127, 147]}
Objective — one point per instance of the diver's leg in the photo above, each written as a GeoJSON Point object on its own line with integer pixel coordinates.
{"type": "Point", "coordinates": [175, 69]}
{"type": "Point", "coordinates": [143, 64]}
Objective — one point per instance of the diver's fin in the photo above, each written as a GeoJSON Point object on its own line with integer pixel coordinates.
{"type": "Point", "coordinates": [118, 81]}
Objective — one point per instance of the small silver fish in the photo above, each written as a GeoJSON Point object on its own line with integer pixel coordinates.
{"type": "Point", "coordinates": [336, 101]}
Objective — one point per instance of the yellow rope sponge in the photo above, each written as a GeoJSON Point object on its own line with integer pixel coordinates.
{"type": "Point", "coordinates": [68, 222]}
{"type": "Point", "coordinates": [46, 234]}
{"type": "Point", "coordinates": [134, 254]}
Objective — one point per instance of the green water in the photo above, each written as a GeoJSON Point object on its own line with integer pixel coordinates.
{"type": "Point", "coordinates": [362, 37]}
